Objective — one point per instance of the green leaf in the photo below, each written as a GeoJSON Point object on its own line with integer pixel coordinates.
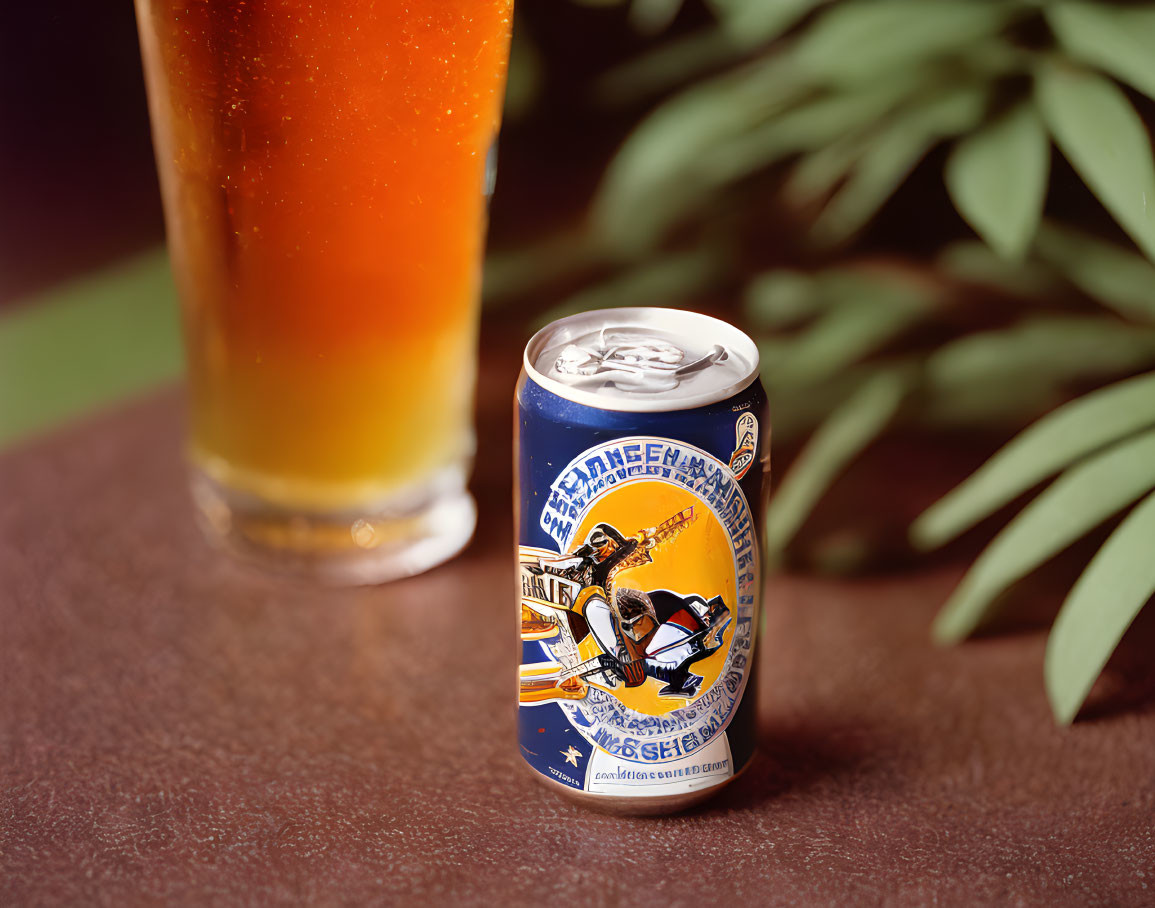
{"type": "Point", "coordinates": [891, 156]}
{"type": "Point", "coordinates": [1001, 379]}
{"type": "Point", "coordinates": [818, 173]}
{"type": "Point", "coordinates": [998, 180]}
{"type": "Point", "coordinates": [1059, 439]}
{"type": "Point", "coordinates": [797, 415]}
{"type": "Point", "coordinates": [813, 124]}
{"type": "Point", "coordinates": [1044, 347]}
{"type": "Point", "coordinates": [654, 175]}
{"type": "Point", "coordinates": [673, 62]}
{"type": "Point", "coordinates": [838, 338]}
{"type": "Point", "coordinates": [1104, 139]}
{"type": "Point", "coordinates": [878, 174]}
{"type": "Point", "coordinates": [989, 405]}
{"type": "Point", "coordinates": [855, 41]}
{"type": "Point", "coordinates": [664, 282]}
{"type": "Point", "coordinates": [1108, 273]}
{"type": "Point", "coordinates": [1097, 612]}
{"type": "Point", "coordinates": [653, 16]}
{"type": "Point", "coordinates": [663, 172]}
{"type": "Point", "coordinates": [866, 312]}
{"type": "Point", "coordinates": [90, 343]}
{"type": "Point", "coordinates": [1118, 40]}
{"type": "Point", "coordinates": [778, 298]}
{"type": "Point", "coordinates": [744, 25]}
{"type": "Point", "coordinates": [509, 273]}
{"type": "Point", "coordinates": [523, 83]}
{"type": "Point", "coordinates": [974, 262]}
{"type": "Point", "coordinates": [846, 433]}
{"type": "Point", "coordinates": [754, 22]}
{"type": "Point", "coordinates": [1078, 501]}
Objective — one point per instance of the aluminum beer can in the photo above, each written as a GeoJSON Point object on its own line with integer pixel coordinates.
{"type": "Point", "coordinates": [640, 487]}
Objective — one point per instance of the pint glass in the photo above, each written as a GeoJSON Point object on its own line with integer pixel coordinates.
{"type": "Point", "coordinates": [322, 168]}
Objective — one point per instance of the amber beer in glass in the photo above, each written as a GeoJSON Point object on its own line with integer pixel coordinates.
{"type": "Point", "coordinates": [322, 166]}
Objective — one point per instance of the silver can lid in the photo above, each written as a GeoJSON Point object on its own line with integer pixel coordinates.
{"type": "Point", "coordinates": [642, 360]}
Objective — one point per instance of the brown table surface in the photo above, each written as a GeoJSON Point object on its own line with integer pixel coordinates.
{"type": "Point", "coordinates": [176, 728]}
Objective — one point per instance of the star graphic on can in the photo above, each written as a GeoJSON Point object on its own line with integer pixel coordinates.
{"type": "Point", "coordinates": [571, 755]}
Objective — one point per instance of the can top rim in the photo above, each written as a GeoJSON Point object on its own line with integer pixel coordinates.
{"type": "Point", "coordinates": [681, 321]}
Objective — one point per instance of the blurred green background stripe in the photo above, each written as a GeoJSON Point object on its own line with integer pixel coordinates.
{"type": "Point", "coordinates": [88, 343]}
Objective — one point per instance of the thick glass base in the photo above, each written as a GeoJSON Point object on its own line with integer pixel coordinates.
{"type": "Point", "coordinates": [407, 533]}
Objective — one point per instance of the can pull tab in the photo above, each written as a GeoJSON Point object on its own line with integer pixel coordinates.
{"type": "Point", "coordinates": [716, 354]}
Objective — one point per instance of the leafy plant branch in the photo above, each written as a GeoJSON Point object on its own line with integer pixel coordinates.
{"type": "Point", "coordinates": [840, 102]}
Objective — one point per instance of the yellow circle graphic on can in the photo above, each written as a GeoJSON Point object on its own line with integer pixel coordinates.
{"type": "Point", "coordinates": [662, 603]}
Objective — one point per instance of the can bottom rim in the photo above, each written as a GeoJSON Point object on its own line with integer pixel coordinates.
{"type": "Point", "coordinates": [641, 805]}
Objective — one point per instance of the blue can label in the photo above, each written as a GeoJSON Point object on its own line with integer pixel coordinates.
{"type": "Point", "coordinates": [638, 618]}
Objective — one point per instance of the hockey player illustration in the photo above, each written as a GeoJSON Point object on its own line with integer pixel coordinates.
{"type": "Point", "coordinates": [659, 634]}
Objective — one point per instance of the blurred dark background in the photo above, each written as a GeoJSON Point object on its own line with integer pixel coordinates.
{"type": "Point", "coordinates": [78, 180]}
{"type": "Point", "coordinates": [78, 183]}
